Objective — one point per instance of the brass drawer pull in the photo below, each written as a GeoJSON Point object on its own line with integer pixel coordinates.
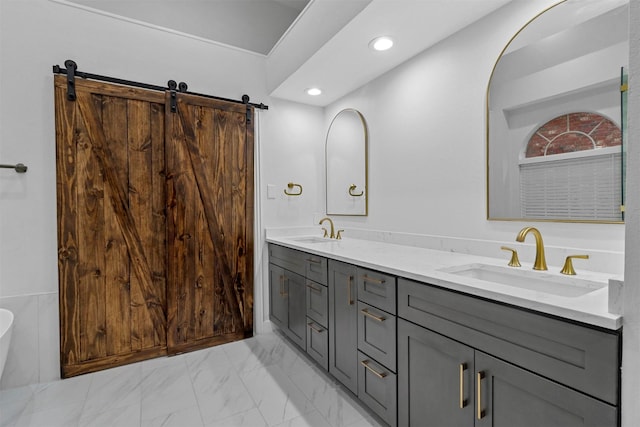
{"type": "Point", "coordinates": [315, 328]}
{"type": "Point", "coordinates": [373, 316]}
{"type": "Point", "coordinates": [313, 288]}
{"type": "Point", "coordinates": [282, 292]}
{"type": "Point", "coordinates": [380, 375]}
{"type": "Point", "coordinates": [349, 299]}
{"type": "Point", "coordinates": [463, 402]}
{"type": "Point", "coordinates": [315, 261]}
{"type": "Point", "coordinates": [480, 413]}
{"type": "Point", "coordinates": [372, 280]}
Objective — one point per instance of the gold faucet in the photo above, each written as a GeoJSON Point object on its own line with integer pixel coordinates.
{"type": "Point", "coordinates": [540, 263]}
{"type": "Point", "coordinates": [326, 233]}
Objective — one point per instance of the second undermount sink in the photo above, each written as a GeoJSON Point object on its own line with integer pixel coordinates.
{"type": "Point", "coordinates": [310, 239]}
{"type": "Point", "coordinates": [528, 279]}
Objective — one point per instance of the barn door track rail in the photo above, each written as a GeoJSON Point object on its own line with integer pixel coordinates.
{"type": "Point", "coordinates": [71, 71]}
{"type": "Point", "coordinates": [20, 168]}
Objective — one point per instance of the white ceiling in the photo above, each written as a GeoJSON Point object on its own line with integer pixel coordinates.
{"type": "Point", "coordinates": [306, 43]}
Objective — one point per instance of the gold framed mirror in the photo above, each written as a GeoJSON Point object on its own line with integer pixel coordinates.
{"type": "Point", "coordinates": [554, 116]}
{"type": "Point", "coordinates": [346, 153]}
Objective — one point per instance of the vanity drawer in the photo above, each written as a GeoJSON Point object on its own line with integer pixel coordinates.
{"type": "Point", "coordinates": [377, 388]}
{"type": "Point", "coordinates": [316, 268]}
{"type": "Point", "coordinates": [318, 343]}
{"type": "Point", "coordinates": [317, 303]}
{"type": "Point", "coordinates": [581, 357]}
{"type": "Point", "coordinates": [289, 259]}
{"type": "Point", "coordinates": [377, 334]}
{"type": "Point", "coordinates": [377, 289]}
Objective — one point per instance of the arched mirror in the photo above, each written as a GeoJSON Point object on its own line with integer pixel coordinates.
{"type": "Point", "coordinates": [554, 116]}
{"type": "Point", "coordinates": [346, 161]}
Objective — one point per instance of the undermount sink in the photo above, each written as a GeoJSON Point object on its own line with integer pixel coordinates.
{"type": "Point", "coordinates": [310, 239]}
{"type": "Point", "coordinates": [528, 279]}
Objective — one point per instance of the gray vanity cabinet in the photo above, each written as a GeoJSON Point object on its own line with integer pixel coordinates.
{"type": "Point", "coordinates": [435, 379]}
{"type": "Point", "coordinates": [508, 396]}
{"type": "Point", "coordinates": [287, 293]}
{"type": "Point", "coordinates": [542, 371]}
{"type": "Point", "coordinates": [343, 324]}
{"type": "Point", "coordinates": [287, 302]}
{"type": "Point", "coordinates": [278, 301]}
{"type": "Point", "coordinates": [317, 322]}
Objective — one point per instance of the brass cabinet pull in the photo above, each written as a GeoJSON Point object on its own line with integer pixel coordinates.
{"type": "Point", "coordinates": [315, 328]}
{"type": "Point", "coordinates": [313, 288]}
{"type": "Point", "coordinates": [282, 292]}
{"type": "Point", "coordinates": [480, 413]}
{"type": "Point", "coordinates": [372, 280]}
{"type": "Point", "coordinates": [315, 261]}
{"type": "Point", "coordinates": [373, 316]}
{"type": "Point", "coordinates": [349, 299]}
{"type": "Point", "coordinates": [380, 375]}
{"type": "Point", "coordinates": [463, 402]}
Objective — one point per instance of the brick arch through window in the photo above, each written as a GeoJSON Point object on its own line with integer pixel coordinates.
{"type": "Point", "coordinates": [573, 132]}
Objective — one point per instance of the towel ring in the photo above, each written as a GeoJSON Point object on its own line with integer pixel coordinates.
{"type": "Point", "coordinates": [352, 187]}
{"type": "Point", "coordinates": [291, 186]}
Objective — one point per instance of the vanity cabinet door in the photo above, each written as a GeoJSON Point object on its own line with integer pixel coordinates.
{"type": "Point", "coordinates": [287, 308]}
{"type": "Point", "coordinates": [278, 301]}
{"type": "Point", "coordinates": [435, 379]}
{"type": "Point", "coordinates": [297, 309]}
{"type": "Point", "coordinates": [512, 397]}
{"type": "Point", "coordinates": [343, 324]}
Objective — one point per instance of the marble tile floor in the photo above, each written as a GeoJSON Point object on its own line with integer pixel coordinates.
{"type": "Point", "coordinates": [260, 381]}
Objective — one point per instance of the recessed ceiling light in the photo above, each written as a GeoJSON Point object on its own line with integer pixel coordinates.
{"type": "Point", "coordinates": [381, 43]}
{"type": "Point", "coordinates": [313, 91]}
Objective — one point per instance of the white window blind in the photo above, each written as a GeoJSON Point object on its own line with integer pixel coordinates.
{"type": "Point", "coordinates": [587, 188]}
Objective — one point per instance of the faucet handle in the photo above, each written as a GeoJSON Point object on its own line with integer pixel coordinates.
{"type": "Point", "coordinates": [326, 233]}
{"type": "Point", "coordinates": [568, 264]}
{"type": "Point", "coordinates": [339, 235]}
{"type": "Point", "coordinates": [514, 262]}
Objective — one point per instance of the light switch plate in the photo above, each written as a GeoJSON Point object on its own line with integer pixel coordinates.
{"type": "Point", "coordinates": [271, 191]}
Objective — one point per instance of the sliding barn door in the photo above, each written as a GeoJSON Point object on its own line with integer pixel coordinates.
{"type": "Point", "coordinates": [111, 225]}
{"type": "Point", "coordinates": [155, 223]}
{"type": "Point", "coordinates": [209, 153]}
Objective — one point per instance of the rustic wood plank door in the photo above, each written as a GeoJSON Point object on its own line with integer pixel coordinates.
{"type": "Point", "coordinates": [111, 225]}
{"type": "Point", "coordinates": [209, 154]}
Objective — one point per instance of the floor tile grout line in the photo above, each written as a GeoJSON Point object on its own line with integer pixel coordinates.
{"type": "Point", "coordinates": [255, 404]}
{"type": "Point", "coordinates": [193, 388]}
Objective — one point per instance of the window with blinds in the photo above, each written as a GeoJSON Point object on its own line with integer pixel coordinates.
{"type": "Point", "coordinates": [583, 188]}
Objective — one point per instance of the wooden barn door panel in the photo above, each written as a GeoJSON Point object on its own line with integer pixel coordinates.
{"type": "Point", "coordinates": [210, 223]}
{"type": "Point", "coordinates": [112, 227]}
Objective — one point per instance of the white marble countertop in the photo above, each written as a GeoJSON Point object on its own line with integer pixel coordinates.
{"type": "Point", "coordinates": [426, 265]}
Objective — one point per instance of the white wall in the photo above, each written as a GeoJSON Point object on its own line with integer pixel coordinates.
{"type": "Point", "coordinates": [36, 34]}
{"type": "Point", "coordinates": [427, 161]}
{"type": "Point", "coordinates": [631, 336]}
